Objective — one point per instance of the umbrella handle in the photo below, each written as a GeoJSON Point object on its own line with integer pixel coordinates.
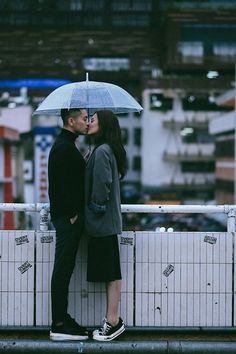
{"type": "Point", "coordinates": [87, 83]}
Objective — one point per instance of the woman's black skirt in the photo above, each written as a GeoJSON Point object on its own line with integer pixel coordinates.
{"type": "Point", "coordinates": [103, 259]}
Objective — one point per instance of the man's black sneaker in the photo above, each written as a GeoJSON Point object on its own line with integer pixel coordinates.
{"type": "Point", "coordinates": [70, 321]}
{"type": "Point", "coordinates": [109, 332]}
{"type": "Point", "coordinates": [68, 330]}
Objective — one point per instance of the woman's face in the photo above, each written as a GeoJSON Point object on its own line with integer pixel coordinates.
{"type": "Point", "coordinates": [93, 125]}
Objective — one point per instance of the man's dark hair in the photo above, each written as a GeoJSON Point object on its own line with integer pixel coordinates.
{"type": "Point", "coordinates": [67, 113]}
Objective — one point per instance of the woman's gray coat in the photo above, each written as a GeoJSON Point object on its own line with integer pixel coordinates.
{"type": "Point", "coordinates": [102, 194]}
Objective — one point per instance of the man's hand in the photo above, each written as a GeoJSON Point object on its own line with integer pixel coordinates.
{"type": "Point", "coordinates": [73, 220]}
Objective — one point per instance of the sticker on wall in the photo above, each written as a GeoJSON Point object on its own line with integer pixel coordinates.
{"type": "Point", "coordinates": [24, 267]}
{"type": "Point", "coordinates": [46, 239]}
{"type": "Point", "coordinates": [126, 241]}
{"type": "Point", "coordinates": [21, 240]}
{"type": "Point", "coordinates": [210, 239]}
{"type": "Point", "coordinates": [169, 269]}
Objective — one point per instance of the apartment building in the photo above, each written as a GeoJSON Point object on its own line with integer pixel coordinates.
{"type": "Point", "coordinates": [222, 127]}
{"type": "Point", "coordinates": [178, 153]}
{"type": "Point", "coordinates": [177, 50]}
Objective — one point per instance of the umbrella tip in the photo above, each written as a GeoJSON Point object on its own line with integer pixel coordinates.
{"type": "Point", "coordinates": [87, 76]}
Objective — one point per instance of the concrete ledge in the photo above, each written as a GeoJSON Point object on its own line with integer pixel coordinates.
{"type": "Point", "coordinates": [130, 329]}
{"type": "Point", "coordinates": [125, 347]}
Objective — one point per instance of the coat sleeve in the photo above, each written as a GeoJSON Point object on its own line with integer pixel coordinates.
{"type": "Point", "coordinates": [73, 203]}
{"type": "Point", "coordinates": [102, 180]}
{"type": "Point", "coordinates": [62, 178]}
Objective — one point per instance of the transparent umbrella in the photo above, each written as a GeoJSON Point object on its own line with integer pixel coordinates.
{"type": "Point", "coordinates": [91, 95]}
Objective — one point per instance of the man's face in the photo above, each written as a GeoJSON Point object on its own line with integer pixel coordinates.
{"type": "Point", "coordinates": [79, 124]}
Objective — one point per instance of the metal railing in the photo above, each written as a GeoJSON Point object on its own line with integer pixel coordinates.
{"type": "Point", "coordinates": [44, 209]}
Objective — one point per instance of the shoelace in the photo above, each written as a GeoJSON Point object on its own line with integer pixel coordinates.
{"type": "Point", "coordinates": [106, 328]}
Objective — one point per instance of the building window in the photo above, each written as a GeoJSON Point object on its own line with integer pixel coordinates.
{"type": "Point", "coordinates": [76, 5]}
{"type": "Point", "coordinates": [125, 136]}
{"type": "Point", "coordinates": [225, 51]}
{"type": "Point", "coordinates": [136, 166]}
{"type": "Point", "coordinates": [131, 20]}
{"type": "Point", "coordinates": [137, 136]}
{"type": "Point", "coordinates": [224, 148]}
{"type": "Point", "coordinates": [135, 5]}
{"type": "Point", "coordinates": [191, 135]}
{"type": "Point", "coordinates": [94, 4]}
{"type": "Point", "coordinates": [222, 185]}
{"type": "Point", "coordinates": [201, 103]}
{"type": "Point", "coordinates": [198, 167]}
{"type": "Point", "coordinates": [106, 64]}
{"type": "Point", "coordinates": [191, 52]}
{"type": "Point", "coordinates": [159, 102]}
{"type": "Point", "coordinates": [204, 40]}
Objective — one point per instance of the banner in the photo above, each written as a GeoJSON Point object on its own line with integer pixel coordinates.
{"type": "Point", "coordinates": [44, 138]}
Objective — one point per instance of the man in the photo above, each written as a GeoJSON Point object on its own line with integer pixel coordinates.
{"type": "Point", "coordinates": [66, 169]}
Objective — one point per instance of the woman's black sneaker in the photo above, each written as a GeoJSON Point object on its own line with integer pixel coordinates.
{"type": "Point", "coordinates": [68, 330]}
{"type": "Point", "coordinates": [109, 332]}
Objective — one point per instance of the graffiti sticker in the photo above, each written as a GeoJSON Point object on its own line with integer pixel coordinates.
{"type": "Point", "coordinates": [210, 239]}
{"type": "Point", "coordinates": [47, 239]}
{"type": "Point", "coordinates": [21, 240]}
{"type": "Point", "coordinates": [169, 269]}
{"type": "Point", "coordinates": [126, 241]}
{"type": "Point", "coordinates": [24, 267]}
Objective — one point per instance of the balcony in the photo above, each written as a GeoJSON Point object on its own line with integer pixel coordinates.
{"type": "Point", "coordinates": [192, 120]}
{"type": "Point", "coordinates": [190, 152]}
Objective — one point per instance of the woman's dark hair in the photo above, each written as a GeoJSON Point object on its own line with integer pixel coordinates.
{"type": "Point", "coordinates": [110, 133]}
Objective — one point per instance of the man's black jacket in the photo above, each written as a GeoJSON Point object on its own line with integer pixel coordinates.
{"type": "Point", "coordinates": [66, 169]}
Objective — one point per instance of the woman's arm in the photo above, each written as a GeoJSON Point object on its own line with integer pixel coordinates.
{"type": "Point", "coordinates": [102, 180]}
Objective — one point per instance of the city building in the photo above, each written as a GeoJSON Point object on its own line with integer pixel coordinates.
{"type": "Point", "coordinates": [222, 127]}
{"type": "Point", "coordinates": [172, 50]}
{"type": "Point", "coordinates": [11, 162]}
{"type": "Point", "coordinates": [178, 160]}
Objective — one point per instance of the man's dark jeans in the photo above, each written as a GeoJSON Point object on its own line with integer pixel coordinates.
{"type": "Point", "coordinates": [67, 241]}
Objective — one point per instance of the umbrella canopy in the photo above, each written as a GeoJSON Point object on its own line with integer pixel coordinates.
{"type": "Point", "coordinates": [91, 95]}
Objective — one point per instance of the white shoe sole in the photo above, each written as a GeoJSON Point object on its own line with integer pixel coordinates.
{"type": "Point", "coordinates": [101, 338]}
{"type": "Point", "coordinates": [96, 331]}
{"type": "Point", "coordinates": [63, 336]}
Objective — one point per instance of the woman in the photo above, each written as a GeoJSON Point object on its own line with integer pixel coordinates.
{"type": "Point", "coordinates": [103, 220]}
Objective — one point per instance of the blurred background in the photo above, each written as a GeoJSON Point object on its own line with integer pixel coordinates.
{"type": "Point", "coordinates": [177, 58]}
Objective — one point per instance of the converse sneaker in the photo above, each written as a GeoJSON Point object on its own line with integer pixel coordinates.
{"type": "Point", "coordinates": [68, 330]}
{"type": "Point", "coordinates": [109, 332]}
